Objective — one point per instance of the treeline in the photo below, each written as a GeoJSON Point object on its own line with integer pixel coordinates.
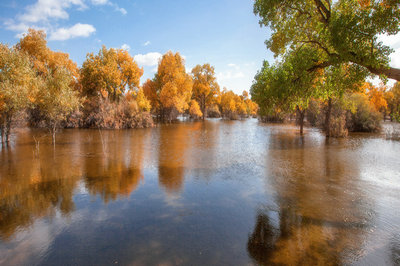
{"type": "Point", "coordinates": [336, 99]}
{"type": "Point", "coordinates": [47, 89]}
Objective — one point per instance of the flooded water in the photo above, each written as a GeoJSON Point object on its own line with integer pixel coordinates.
{"type": "Point", "coordinates": [212, 193]}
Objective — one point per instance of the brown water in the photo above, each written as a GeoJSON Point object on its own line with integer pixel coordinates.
{"type": "Point", "coordinates": [212, 193]}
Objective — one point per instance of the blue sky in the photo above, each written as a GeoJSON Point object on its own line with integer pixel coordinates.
{"type": "Point", "coordinates": [224, 33]}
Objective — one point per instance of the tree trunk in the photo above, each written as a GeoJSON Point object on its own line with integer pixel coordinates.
{"type": "Point", "coordinates": [328, 118]}
{"type": "Point", "coordinates": [301, 114]}
{"type": "Point", "coordinates": [8, 126]}
{"type": "Point", "coordinates": [54, 133]}
{"type": "Point", "coordinates": [2, 132]}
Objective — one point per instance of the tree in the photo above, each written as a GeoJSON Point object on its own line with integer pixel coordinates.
{"type": "Point", "coordinates": [18, 85]}
{"type": "Point", "coordinates": [376, 97]}
{"type": "Point", "coordinates": [57, 99]}
{"type": "Point", "coordinates": [44, 60]}
{"type": "Point", "coordinates": [205, 86]}
{"type": "Point", "coordinates": [287, 86]}
{"type": "Point", "coordinates": [171, 89]}
{"type": "Point", "coordinates": [343, 31]}
{"type": "Point", "coordinates": [392, 98]}
{"type": "Point", "coordinates": [194, 110]}
{"type": "Point", "coordinates": [110, 73]}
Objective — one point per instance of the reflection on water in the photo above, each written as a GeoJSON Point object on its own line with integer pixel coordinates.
{"type": "Point", "coordinates": [218, 192]}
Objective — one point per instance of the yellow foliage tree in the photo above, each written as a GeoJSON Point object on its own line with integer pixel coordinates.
{"type": "Point", "coordinates": [376, 97]}
{"type": "Point", "coordinates": [171, 89]}
{"type": "Point", "coordinates": [44, 60]}
{"type": "Point", "coordinates": [18, 85]}
{"type": "Point", "coordinates": [110, 73]}
{"type": "Point", "coordinates": [57, 99]}
{"type": "Point", "coordinates": [194, 110]}
{"type": "Point", "coordinates": [205, 86]}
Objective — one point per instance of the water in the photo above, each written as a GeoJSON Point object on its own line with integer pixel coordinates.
{"type": "Point", "coordinates": [212, 193]}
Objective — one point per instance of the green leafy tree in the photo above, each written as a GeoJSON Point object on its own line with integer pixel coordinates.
{"type": "Point", "coordinates": [343, 31]}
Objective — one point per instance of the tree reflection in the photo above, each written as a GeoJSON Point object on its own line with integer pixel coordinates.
{"type": "Point", "coordinates": [173, 142]}
{"type": "Point", "coordinates": [113, 166]}
{"type": "Point", "coordinates": [34, 185]}
{"type": "Point", "coordinates": [315, 221]}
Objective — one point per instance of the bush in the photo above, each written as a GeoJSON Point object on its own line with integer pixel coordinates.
{"type": "Point", "coordinates": [314, 113]}
{"type": "Point", "coordinates": [362, 115]}
{"type": "Point", "coordinates": [101, 113]}
{"type": "Point", "coordinates": [213, 111]}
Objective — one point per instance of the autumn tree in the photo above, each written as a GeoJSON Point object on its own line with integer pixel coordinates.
{"type": "Point", "coordinates": [392, 98]}
{"type": "Point", "coordinates": [57, 99]}
{"type": "Point", "coordinates": [171, 89]}
{"type": "Point", "coordinates": [110, 73]}
{"type": "Point", "coordinates": [232, 105]}
{"type": "Point", "coordinates": [18, 86]}
{"type": "Point", "coordinates": [344, 31]}
{"type": "Point", "coordinates": [194, 110]}
{"type": "Point", "coordinates": [43, 59]}
{"type": "Point", "coordinates": [205, 86]}
{"type": "Point", "coordinates": [376, 96]}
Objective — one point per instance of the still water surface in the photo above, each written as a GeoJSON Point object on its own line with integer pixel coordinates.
{"type": "Point", "coordinates": [212, 193]}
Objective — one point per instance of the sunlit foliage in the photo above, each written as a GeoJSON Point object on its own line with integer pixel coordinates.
{"type": "Point", "coordinates": [110, 73]}
{"type": "Point", "coordinates": [170, 91]}
{"type": "Point", "coordinates": [18, 86]}
{"type": "Point", "coordinates": [205, 86]}
{"type": "Point", "coordinates": [194, 110]}
{"type": "Point", "coordinates": [344, 31]}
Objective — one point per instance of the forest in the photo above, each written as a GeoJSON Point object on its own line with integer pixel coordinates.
{"type": "Point", "coordinates": [46, 89]}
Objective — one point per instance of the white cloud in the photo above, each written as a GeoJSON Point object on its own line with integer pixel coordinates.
{"type": "Point", "coordinates": [226, 75]}
{"type": "Point", "coordinates": [146, 43]}
{"type": "Point", "coordinates": [99, 2]}
{"type": "Point", "coordinates": [149, 59]}
{"type": "Point", "coordinates": [231, 65]}
{"type": "Point", "coordinates": [43, 10]}
{"type": "Point", "coordinates": [78, 30]}
{"type": "Point", "coordinates": [106, 2]}
{"type": "Point", "coordinates": [121, 9]}
{"type": "Point", "coordinates": [44, 13]}
{"type": "Point", "coordinates": [125, 47]}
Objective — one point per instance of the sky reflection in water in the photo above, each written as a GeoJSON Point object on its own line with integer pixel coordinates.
{"type": "Point", "coordinates": [218, 192]}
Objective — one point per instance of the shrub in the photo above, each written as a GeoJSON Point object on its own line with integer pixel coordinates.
{"type": "Point", "coordinates": [362, 115]}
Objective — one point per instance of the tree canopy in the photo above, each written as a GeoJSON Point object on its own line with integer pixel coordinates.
{"type": "Point", "coordinates": [343, 31]}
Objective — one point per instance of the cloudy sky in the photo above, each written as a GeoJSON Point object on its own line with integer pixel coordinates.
{"type": "Point", "coordinates": [224, 33]}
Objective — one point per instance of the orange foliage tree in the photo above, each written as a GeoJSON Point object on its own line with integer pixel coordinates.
{"type": "Point", "coordinates": [171, 89]}
{"type": "Point", "coordinates": [194, 110]}
{"type": "Point", "coordinates": [110, 73]}
{"type": "Point", "coordinates": [45, 60]}
{"type": "Point", "coordinates": [205, 86]}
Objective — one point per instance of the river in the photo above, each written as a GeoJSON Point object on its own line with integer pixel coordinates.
{"type": "Point", "coordinates": [200, 193]}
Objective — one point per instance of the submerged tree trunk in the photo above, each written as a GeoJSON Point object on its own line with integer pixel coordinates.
{"type": "Point", "coordinates": [53, 129]}
{"type": "Point", "coordinates": [300, 118]}
{"type": "Point", "coordinates": [2, 132]}
{"type": "Point", "coordinates": [328, 118]}
{"type": "Point", "coordinates": [8, 127]}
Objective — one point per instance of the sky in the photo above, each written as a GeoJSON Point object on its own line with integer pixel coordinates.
{"type": "Point", "coordinates": [224, 33]}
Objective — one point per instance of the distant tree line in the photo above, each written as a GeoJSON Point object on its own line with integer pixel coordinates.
{"type": "Point", "coordinates": [47, 89]}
